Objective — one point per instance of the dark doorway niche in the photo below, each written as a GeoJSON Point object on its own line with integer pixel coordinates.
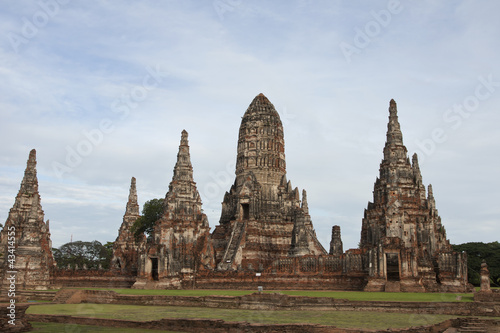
{"type": "Point", "coordinates": [392, 260]}
{"type": "Point", "coordinates": [246, 211]}
{"type": "Point", "coordinates": [154, 268]}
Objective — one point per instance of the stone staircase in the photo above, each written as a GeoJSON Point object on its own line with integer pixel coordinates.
{"type": "Point", "coordinates": [473, 325]}
{"type": "Point", "coordinates": [64, 295]}
{"type": "Point", "coordinates": [39, 295]}
{"type": "Point", "coordinates": [392, 287]}
{"type": "Point", "coordinates": [232, 248]}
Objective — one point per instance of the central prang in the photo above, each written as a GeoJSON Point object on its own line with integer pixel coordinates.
{"type": "Point", "coordinates": [263, 217]}
{"type": "Point", "coordinates": [261, 146]}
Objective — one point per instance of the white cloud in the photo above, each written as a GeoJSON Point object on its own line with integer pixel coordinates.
{"type": "Point", "coordinates": [64, 81]}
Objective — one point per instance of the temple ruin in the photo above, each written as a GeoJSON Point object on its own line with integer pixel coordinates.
{"type": "Point", "coordinates": [262, 217]}
{"type": "Point", "coordinates": [265, 236]}
{"type": "Point", "coordinates": [180, 245]}
{"type": "Point", "coordinates": [402, 235]}
{"type": "Point", "coordinates": [125, 248]}
{"type": "Point", "coordinates": [25, 238]}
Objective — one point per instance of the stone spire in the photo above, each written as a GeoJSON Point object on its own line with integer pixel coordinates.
{"type": "Point", "coordinates": [336, 246]}
{"type": "Point", "coordinates": [183, 170]}
{"type": "Point", "coordinates": [305, 205]}
{"type": "Point", "coordinates": [401, 217]}
{"type": "Point", "coordinates": [394, 134]}
{"type": "Point", "coordinates": [261, 144]}
{"type": "Point", "coordinates": [394, 150]}
{"type": "Point", "coordinates": [132, 205]}
{"type": "Point", "coordinates": [181, 238]}
{"type": "Point", "coordinates": [416, 168]}
{"type": "Point", "coordinates": [183, 197]}
{"type": "Point", "coordinates": [34, 260]}
{"type": "Point", "coordinates": [418, 176]}
{"type": "Point", "coordinates": [125, 249]}
{"type": "Point", "coordinates": [29, 184]}
{"type": "Point", "coordinates": [430, 197]}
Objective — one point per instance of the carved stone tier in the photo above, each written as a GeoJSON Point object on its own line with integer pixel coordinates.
{"type": "Point", "coordinates": [263, 217]}
{"type": "Point", "coordinates": [401, 229]}
{"type": "Point", "coordinates": [27, 237]}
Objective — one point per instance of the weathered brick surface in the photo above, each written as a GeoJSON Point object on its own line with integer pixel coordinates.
{"type": "Point", "coordinates": [125, 250]}
{"type": "Point", "coordinates": [181, 240]}
{"type": "Point", "coordinates": [192, 325]}
{"type": "Point", "coordinates": [91, 279]}
{"type": "Point", "coordinates": [271, 301]}
{"type": "Point", "coordinates": [20, 324]}
{"type": "Point", "coordinates": [26, 236]}
{"type": "Point", "coordinates": [214, 325]}
{"type": "Point", "coordinates": [402, 232]}
{"type": "Point", "coordinates": [493, 295]}
{"type": "Point", "coordinates": [263, 217]}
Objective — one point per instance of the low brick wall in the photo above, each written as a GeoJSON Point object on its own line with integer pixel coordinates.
{"type": "Point", "coordinates": [284, 302]}
{"type": "Point", "coordinates": [91, 279]}
{"type": "Point", "coordinates": [20, 323]}
{"type": "Point", "coordinates": [216, 326]}
{"type": "Point", "coordinates": [37, 295]}
{"type": "Point", "coordinates": [249, 281]}
{"type": "Point", "coordinates": [493, 296]}
{"type": "Point", "coordinates": [190, 325]}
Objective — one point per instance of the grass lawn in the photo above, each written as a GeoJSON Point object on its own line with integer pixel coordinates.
{"type": "Point", "coordinates": [65, 328]}
{"type": "Point", "coordinates": [344, 319]}
{"type": "Point", "coordinates": [350, 295]}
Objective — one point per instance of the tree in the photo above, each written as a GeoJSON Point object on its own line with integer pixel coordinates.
{"type": "Point", "coordinates": [476, 253]}
{"type": "Point", "coordinates": [90, 254]}
{"type": "Point", "coordinates": [151, 212]}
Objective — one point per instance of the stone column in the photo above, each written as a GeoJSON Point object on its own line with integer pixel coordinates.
{"type": "Point", "coordinates": [485, 278]}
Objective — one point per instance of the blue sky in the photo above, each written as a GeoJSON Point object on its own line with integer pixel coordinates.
{"type": "Point", "coordinates": [103, 90]}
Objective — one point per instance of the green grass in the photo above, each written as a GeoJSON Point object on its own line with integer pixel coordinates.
{"type": "Point", "coordinates": [177, 292]}
{"type": "Point", "coordinates": [65, 328]}
{"type": "Point", "coordinates": [383, 296]}
{"type": "Point", "coordinates": [344, 319]}
{"type": "Point", "coordinates": [350, 295]}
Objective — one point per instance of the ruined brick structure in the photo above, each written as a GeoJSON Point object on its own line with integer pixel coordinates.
{"type": "Point", "coordinates": [27, 232]}
{"type": "Point", "coordinates": [181, 239]}
{"type": "Point", "coordinates": [265, 236]}
{"type": "Point", "coordinates": [262, 216]}
{"type": "Point", "coordinates": [402, 234]}
{"type": "Point", "coordinates": [125, 249]}
{"type": "Point", "coordinates": [266, 228]}
{"type": "Point", "coordinates": [485, 278]}
{"type": "Point", "coordinates": [336, 246]}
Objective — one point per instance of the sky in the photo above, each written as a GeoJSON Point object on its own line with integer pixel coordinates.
{"type": "Point", "coordinates": [103, 89]}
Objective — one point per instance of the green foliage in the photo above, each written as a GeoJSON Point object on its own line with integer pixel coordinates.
{"type": "Point", "coordinates": [151, 212]}
{"type": "Point", "coordinates": [81, 253]}
{"type": "Point", "coordinates": [476, 253]}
